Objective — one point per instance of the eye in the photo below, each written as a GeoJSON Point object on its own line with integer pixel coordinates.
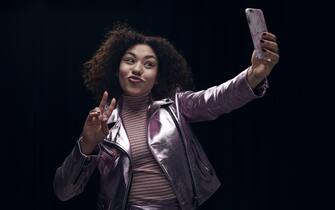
{"type": "Point", "coordinates": [149, 65]}
{"type": "Point", "coordinates": [129, 61]}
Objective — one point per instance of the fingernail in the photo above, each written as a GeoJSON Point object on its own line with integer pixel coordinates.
{"type": "Point", "coordinates": [264, 34]}
{"type": "Point", "coordinates": [262, 41]}
{"type": "Point", "coordinates": [263, 50]}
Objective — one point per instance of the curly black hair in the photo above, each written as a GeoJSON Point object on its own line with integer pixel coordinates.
{"type": "Point", "coordinates": [101, 71]}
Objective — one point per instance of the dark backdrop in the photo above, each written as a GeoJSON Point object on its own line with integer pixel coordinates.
{"type": "Point", "coordinates": [266, 153]}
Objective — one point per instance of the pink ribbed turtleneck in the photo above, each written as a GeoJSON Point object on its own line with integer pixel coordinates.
{"type": "Point", "coordinates": [149, 182]}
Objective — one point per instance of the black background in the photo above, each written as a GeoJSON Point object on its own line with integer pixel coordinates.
{"type": "Point", "coordinates": [266, 153]}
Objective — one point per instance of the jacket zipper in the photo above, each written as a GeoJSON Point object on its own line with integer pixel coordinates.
{"type": "Point", "coordinates": [129, 181]}
{"type": "Point", "coordinates": [162, 167]}
{"type": "Point", "coordinates": [195, 198]}
{"type": "Point", "coordinates": [130, 176]}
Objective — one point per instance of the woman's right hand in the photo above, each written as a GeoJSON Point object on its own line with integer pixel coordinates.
{"type": "Point", "coordinates": [95, 128]}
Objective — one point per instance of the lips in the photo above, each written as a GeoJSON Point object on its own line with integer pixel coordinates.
{"type": "Point", "coordinates": [135, 79]}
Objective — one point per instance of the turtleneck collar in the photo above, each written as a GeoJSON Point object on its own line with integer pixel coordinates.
{"type": "Point", "coordinates": [135, 103]}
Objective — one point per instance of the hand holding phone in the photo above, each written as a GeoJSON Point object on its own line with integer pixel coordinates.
{"type": "Point", "coordinates": [257, 26]}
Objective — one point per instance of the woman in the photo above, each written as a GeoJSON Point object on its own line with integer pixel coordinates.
{"type": "Point", "coordinates": [141, 141]}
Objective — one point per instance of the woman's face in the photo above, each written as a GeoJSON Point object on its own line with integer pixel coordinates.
{"type": "Point", "coordinates": [138, 70]}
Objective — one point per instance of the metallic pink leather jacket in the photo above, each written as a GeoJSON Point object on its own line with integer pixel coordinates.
{"type": "Point", "coordinates": [171, 142]}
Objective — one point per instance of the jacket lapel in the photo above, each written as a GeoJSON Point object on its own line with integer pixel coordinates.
{"type": "Point", "coordinates": [117, 133]}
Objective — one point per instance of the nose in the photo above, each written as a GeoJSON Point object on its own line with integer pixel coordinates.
{"type": "Point", "coordinates": [137, 69]}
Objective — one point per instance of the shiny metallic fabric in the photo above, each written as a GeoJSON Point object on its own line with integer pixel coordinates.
{"type": "Point", "coordinates": [171, 141]}
{"type": "Point", "coordinates": [156, 205]}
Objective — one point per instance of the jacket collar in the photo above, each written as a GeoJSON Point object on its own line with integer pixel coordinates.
{"type": "Point", "coordinates": [116, 127]}
{"type": "Point", "coordinates": [155, 105]}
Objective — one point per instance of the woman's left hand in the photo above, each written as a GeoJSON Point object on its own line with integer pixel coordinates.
{"type": "Point", "coordinates": [262, 67]}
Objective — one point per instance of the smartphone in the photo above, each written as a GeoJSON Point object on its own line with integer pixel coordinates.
{"type": "Point", "coordinates": [257, 26]}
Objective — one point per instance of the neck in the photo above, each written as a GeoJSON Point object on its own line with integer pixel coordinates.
{"type": "Point", "coordinates": [136, 102]}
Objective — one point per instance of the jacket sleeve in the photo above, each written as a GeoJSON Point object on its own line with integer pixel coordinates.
{"type": "Point", "coordinates": [71, 178]}
{"type": "Point", "coordinates": [211, 103]}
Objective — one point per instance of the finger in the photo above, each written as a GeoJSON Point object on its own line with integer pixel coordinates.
{"type": "Point", "coordinates": [104, 127]}
{"type": "Point", "coordinates": [103, 102]}
{"type": "Point", "coordinates": [270, 45]}
{"type": "Point", "coordinates": [269, 36]}
{"type": "Point", "coordinates": [271, 57]}
{"type": "Point", "coordinates": [94, 114]}
{"type": "Point", "coordinates": [95, 110]}
{"type": "Point", "coordinates": [111, 108]}
{"type": "Point", "coordinates": [93, 117]}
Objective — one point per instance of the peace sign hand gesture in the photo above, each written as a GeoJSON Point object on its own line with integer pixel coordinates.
{"type": "Point", "coordinates": [95, 128]}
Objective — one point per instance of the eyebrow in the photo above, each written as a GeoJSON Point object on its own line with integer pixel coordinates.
{"type": "Point", "coordinates": [146, 57]}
